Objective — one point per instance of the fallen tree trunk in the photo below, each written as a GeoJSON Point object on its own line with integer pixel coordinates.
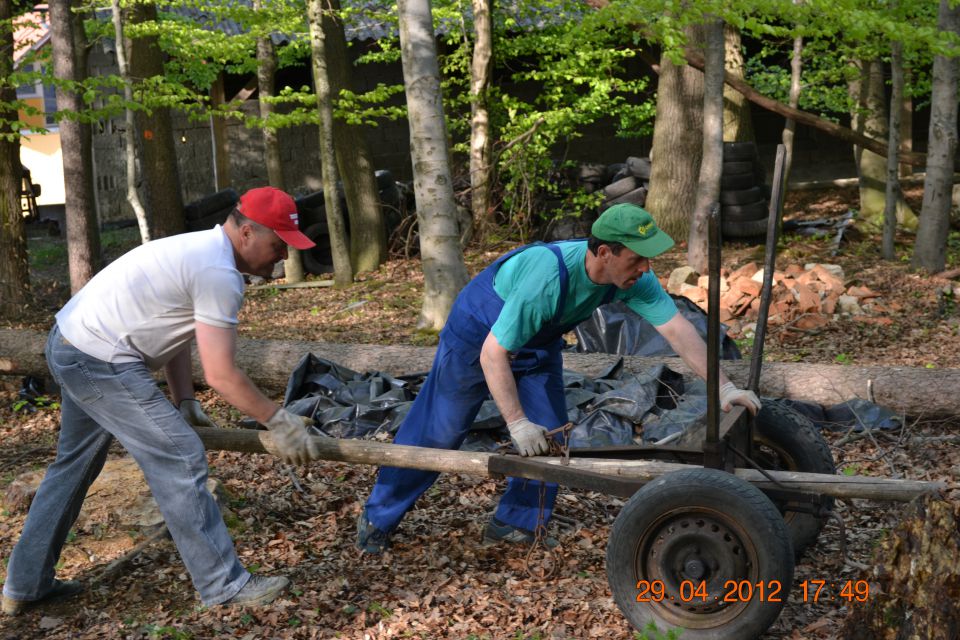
{"type": "Point", "coordinates": [909, 390]}
{"type": "Point", "coordinates": [576, 472]}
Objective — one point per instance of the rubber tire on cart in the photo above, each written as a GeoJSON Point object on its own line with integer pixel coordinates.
{"type": "Point", "coordinates": [784, 440]}
{"type": "Point", "coordinates": [703, 526]}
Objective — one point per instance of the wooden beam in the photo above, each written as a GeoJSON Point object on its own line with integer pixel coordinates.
{"type": "Point", "coordinates": [581, 472]}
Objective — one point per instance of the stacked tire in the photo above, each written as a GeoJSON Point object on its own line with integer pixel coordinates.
{"type": "Point", "coordinates": [744, 196]}
{"type": "Point", "coordinates": [210, 211]}
{"type": "Point", "coordinates": [619, 182]}
{"type": "Point", "coordinates": [311, 209]}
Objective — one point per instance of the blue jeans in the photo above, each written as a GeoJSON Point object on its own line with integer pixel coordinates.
{"type": "Point", "coordinates": [101, 401]}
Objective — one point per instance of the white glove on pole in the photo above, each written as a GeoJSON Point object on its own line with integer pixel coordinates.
{"type": "Point", "coordinates": [293, 444]}
{"type": "Point", "coordinates": [529, 438]}
{"type": "Point", "coordinates": [193, 413]}
{"type": "Point", "coordinates": [731, 395]}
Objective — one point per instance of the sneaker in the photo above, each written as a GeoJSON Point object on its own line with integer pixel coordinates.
{"type": "Point", "coordinates": [497, 531]}
{"type": "Point", "coordinates": [258, 591]}
{"type": "Point", "coordinates": [369, 538]}
{"type": "Point", "coordinates": [60, 590]}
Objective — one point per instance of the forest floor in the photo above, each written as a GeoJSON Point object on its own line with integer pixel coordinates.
{"type": "Point", "coordinates": [437, 581]}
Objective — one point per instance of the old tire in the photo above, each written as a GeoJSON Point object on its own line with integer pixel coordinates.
{"type": "Point", "coordinates": [737, 166]}
{"type": "Point", "coordinates": [744, 212]}
{"type": "Point", "coordinates": [620, 187]}
{"type": "Point", "coordinates": [784, 440]}
{"type": "Point", "coordinates": [700, 526]}
{"type": "Point", "coordinates": [638, 197]}
{"type": "Point", "coordinates": [737, 181]}
{"type": "Point", "coordinates": [320, 258]}
{"type": "Point", "coordinates": [743, 196]}
{"type": "Point", "coordinates": [639, 167]}
{"type": "Point", "coordinates": [210, 205]}
{"type": "Point", "coordinates": [744, 229]}
{"type": "Point", "coordinates": [734, 151]}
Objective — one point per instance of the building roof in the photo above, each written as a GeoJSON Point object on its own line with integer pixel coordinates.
{"type": "Point", "coordinates": [31, 31]}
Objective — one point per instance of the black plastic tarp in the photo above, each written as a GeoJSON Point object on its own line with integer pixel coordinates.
{"type": "Point", "coordinates": [615, 328]}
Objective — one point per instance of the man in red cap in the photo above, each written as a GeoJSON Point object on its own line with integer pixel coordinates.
{"type": "Point", "coordinates": [140, 314]}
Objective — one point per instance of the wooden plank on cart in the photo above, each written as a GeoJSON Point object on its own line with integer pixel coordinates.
{"type": "Point", "coordinates": [587, 473]}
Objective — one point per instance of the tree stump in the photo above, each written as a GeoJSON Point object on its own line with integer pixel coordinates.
{"type": "Point", "coordinates": [915, 580]}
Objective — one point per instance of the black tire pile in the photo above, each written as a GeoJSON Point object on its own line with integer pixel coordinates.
{"type": "Point", "coordinates": [744, 196]}
{"type": "Point", "coordinates": [620, 182]}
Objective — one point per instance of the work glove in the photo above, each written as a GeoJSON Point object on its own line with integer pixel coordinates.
{"type": "Point", "coordinates": [290, 438]}
{"type": "Point", "coordinates": [192, 412]}
{"type": "Point", "coordinates": [528, 438]}
{"type": "Point", "coordinates": [731, 395]}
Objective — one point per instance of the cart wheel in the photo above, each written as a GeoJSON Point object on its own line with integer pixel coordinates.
{"type": "Point", "coordinates": [715, 544]}
{"type": "Point", "coordinates": [784, 440]}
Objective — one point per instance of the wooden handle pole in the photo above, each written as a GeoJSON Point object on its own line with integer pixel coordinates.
{"type": "Point", "coordinates": [478, 464]}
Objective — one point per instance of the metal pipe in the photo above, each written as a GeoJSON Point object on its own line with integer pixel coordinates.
{"type": "Point", "coordinates": [769, 264]}
{"type": "Point", "coordinates": [712, 436]}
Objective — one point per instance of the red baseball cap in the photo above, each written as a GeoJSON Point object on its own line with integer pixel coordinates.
{"type": "Point", "coordinates": [275, 210]}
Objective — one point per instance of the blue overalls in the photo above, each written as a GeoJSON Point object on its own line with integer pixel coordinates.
{"type": "Point", "coordinates": [446, 406]}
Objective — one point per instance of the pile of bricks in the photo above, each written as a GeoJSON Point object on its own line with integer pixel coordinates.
{"type": "Point", "coordinates": [803, 298]}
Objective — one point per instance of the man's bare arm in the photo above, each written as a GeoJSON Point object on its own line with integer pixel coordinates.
{"type": "Point", "coordinates": [495, 362]}
{"type": "Point", "coordinates": [217, 347]}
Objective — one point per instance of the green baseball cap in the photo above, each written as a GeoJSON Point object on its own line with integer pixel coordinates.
{"type": "Point", "coordinates": [633, 227]}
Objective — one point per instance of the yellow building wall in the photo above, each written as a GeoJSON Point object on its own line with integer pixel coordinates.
{"type": "Point", "coordinates": [40, 153]}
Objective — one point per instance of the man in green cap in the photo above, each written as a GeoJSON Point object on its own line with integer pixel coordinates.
{"type": "Point", "coordinates": [503, 338]}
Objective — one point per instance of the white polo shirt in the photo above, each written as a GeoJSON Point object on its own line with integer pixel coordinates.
{"type": "Point", "coordinates": [142, 306]}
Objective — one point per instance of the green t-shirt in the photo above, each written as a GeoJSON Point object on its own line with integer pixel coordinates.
{"type": "Point", "coordinates": [529, 284]}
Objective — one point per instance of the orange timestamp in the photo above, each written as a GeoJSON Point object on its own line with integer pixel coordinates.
{"type": "Point", "coordinates": [689, 591]}
{"type": "Point", "coordinates": [849, 590]}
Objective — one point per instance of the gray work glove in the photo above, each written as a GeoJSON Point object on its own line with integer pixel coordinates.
{"type": "Point", "coordinates": [528, 437]}
{"type": "Point", "coordinates": [192, 412]}
{"type": "Point", "coordinates": [731, 395]}
{"type": "Point", "coordinates": [291, 440]}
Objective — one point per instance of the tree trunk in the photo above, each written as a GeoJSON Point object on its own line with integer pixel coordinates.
{"type": "Point", "coordinates": [931, 247]}
{"type": "Point", "coordinates": [790, 126]}
{"type": "Point", "coordinates": [266, 70]}
{"type": "Point", "coordinates": [69, 44]}
{"type": "Point", "coordinates": [906, 126]}
{"type": "Point", "coordinates": [269, 363]}
{"type": "Point", "coordinates": [218, 131]}
{"type": "Point", "coordinates": [708, 187]}
{"type": "Point", "coordinates": [343, 271]}
{"type": "Point", "coordinates": [481, 139]}
{"type": "Point", "coordinates": [368, 235]}
{"type": "Point", "coordinates": [677, 142]}
{"type": "Point", "coordinates": [737, 121]}
{"type": "Point", "coordinates": [442, 257]}
{"type": "Point", "coordinates": [869, 118]}
{"type": "Point", "coordinates": [129, 137]}
{"type": "Point", "coordinates": [14, 266]}
{"type": "Point", "coordinates": [158, 154]}
{"type": "Point", "coordinates": [893, 194]}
